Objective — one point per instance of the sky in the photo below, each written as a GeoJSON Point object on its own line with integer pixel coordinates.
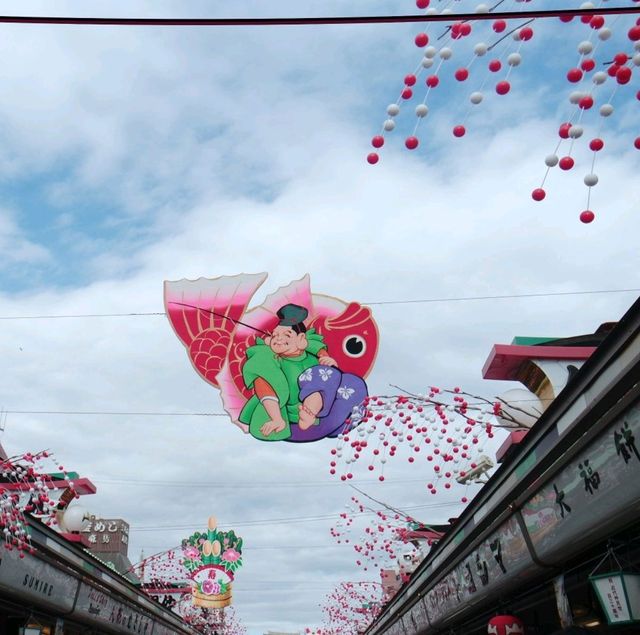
{"type": "Point", "coordinates": [130, 156]}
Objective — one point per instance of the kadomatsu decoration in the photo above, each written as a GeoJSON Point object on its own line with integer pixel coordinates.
{"type": "Point", "coordinates": [291, 369]}
{"type": "Point", "coordinates": [212, 559]}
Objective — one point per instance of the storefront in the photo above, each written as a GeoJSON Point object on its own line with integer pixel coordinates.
{"type": "Point", "coordinates": [63, 590]}
{"type": "Point", "coordinates": [562, 509]}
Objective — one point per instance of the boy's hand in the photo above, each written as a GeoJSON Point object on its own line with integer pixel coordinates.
{"type": "Point", "coordinates": [325, 360]}
{"type": "Point", "coordinates": [272, 426]}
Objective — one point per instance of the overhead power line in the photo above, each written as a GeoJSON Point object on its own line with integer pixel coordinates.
{"type": "Point", "coordinates": [285, 521]}
{"type": "Point", "coordinates": [314, 21]}
{"type": "Point", "coordinates": [244, 484]}
{"type": "Point", "coordinates": [469, 298]}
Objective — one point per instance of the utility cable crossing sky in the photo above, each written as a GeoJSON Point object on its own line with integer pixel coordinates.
{"type": "Point", "coordinates": [315, 21]}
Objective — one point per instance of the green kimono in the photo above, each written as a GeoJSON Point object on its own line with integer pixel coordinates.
{"type": "Point", "coordinates": [281, 373]}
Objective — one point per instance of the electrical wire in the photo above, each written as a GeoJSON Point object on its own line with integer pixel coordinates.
{"type": "Point", "coordinates": [314, 21]}
{"type": "Point", "coordinates": [246, 485]}
{"type": "Point", "coordinates": [284, 521]}
{"type": "Point", "coordinates": [512, 296]}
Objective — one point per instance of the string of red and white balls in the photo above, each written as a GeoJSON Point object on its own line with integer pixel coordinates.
{"type": "Point", "coordinates": [619, 69]}
{"type": "Point", "coordinates": [441, 427]}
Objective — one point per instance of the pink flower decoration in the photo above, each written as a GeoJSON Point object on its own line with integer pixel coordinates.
{"type": "Point", "coordinates": [209, 587]}
{"type": "Point", "coordinates": [191, 553]}
{"type": "Point", "coordinates": [230, 555]}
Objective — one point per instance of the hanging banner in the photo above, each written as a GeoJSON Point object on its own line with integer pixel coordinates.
{"type": "Point", "coordinates": [212, 559]}
{"type": "Point", "coordinates": [290, 369]}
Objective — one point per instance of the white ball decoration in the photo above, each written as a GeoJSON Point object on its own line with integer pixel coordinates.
{"type": "Point", "coordinates": [482, 8]}
{"type": "Point", "coordinates": [585, 47]}
{"type": "Point", "coordinates": [575, 132]}
{"type": "Point", "coordinates": [636, 46]}
{"type": "Point", "coordinates": [604, 33]}
{"type": "Point", "coordinates": [427, 62]}
{"type": "Point", "coordinates": [480, 49]}
{"type": "Point", "coordinates": [422, 110]}
{"type": "Point", "coordinates": [606, 110]}
{"type": "Point", "coordinates": [389, 125]}
{"type": "Point", "coordinates": [514, 59]}
{"type": "Point", "coordinates": [636, 59]}
{"type": "Point", "coordinates": [576, 96]}
{"type": "Point", "coordinates": [476, 98]}
{"type": "Point", "coordinates": [432, 11]}
{"type": "Point", "coordinates": [393, 110]}
{"type": "Point", "coordinates": [430, 52]}
{"type": "Point", "coordinates": [550, 161]}
{"type": "Point", "coordinates": [446, 53]}
{"type": "Point", "coordinates": [590, 180]}
{"type": "Point", "coordinates": [585, 6]}
{"type": "Point", "coordinates": [600, 77]}
{"type": "Point", "coordinates": [516, 35]}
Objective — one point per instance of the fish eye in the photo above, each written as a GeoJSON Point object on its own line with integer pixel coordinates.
{"type": "Point", "coordinates": [354, 346]}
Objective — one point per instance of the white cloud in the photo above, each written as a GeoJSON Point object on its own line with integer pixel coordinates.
{"type": "Point", "coordinates": [245, 152]}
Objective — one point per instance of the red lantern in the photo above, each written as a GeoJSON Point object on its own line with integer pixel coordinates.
{"type": "Point", "coordinates": [505, 625]}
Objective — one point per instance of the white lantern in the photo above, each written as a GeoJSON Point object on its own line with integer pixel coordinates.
{"type": "Point", "coordinates": [520, 407]}
{"type": "Point", "coordinates": [73, 518]}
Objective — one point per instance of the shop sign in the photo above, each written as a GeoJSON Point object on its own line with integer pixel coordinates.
{"type": "Point", "coordinates": [106, 535]}
{"type": "Point", "coordinates": [597, 487]}
{"type": "Point", "coordinates": [99, 607]}
{"type": "Point", "coordinates": [499, 560]}
{"type": "Point", "coordinates": [36, 581]}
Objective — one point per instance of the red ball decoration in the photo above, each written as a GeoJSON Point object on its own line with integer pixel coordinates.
{"type": "Point", "coordinates": [596, 144]}
{"type": "Point", "coordinates": [459, 131]}
{"type": "Point", "coordinates": [526, 33]}
{"type": "Point", "coordinates": [587, 216]}
{"type": "Point", "coordinates": [407, 93]}
{"type": "Point", "coordinates": [623, 76]}
{"type": "Point", "coordinates": [566, 163]}
{"type": "Point", "coordinates": [503, 87]}
{"type": "Point", "coordinates": [495, 66]}
{"type": "Point", "coordinates": [596, 22]}
{"type": "Point", "coordinates": [461, 74]}
{"type": "Point", "coordinates": [422, 4]}
{"type": "Point", "coordinates": [586, 102]}
{"type": "Point", "coordinates": [538, 194]}
{"type": "Point", "coordinates": [566, 18]}
{"type": "Point", "coordinates": [409, 80]}
{"type": "Point", "coordinates": [612, 71]}
{"type": "Point", "coordinates": [564, 130]}
{"type": "Point", "coordinates": [634, 33]}
{"type": "Point", "coordinates": [377, 141]}
{"type": "Point", "coordinates": [574, 75]}
{"type": "Point", "coordinates": [411, 143]}
{"type": "Point", "coordinates": [636, 143]}
{"type": "Point", "coordinates": [620, 59]}
{"type": "Point", "coordinates": [588, 65]}
{"type": "Point", "coordinates": [422, 39]}
{"type": "Point", "coordinates": [465, 28]}
{"type": "Point", "coordinates": [499, 26]}
{"type": "Point", "coordinates": [432, 81]}
{"type": "Point", "coordinates": [372, 158]}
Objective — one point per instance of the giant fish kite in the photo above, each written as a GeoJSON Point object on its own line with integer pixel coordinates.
{"type": "Point", "coordinates": [291, 369]}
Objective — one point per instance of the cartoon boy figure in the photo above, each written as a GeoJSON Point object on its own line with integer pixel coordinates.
{"type": "Point", "coordinates": [299, 393]}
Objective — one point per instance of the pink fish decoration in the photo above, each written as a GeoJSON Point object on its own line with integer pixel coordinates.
{"type": "Point", "coordinates": [212, 318]}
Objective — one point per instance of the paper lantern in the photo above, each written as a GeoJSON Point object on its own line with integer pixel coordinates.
{"type": "Point", "coordinates": [505, 625]}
